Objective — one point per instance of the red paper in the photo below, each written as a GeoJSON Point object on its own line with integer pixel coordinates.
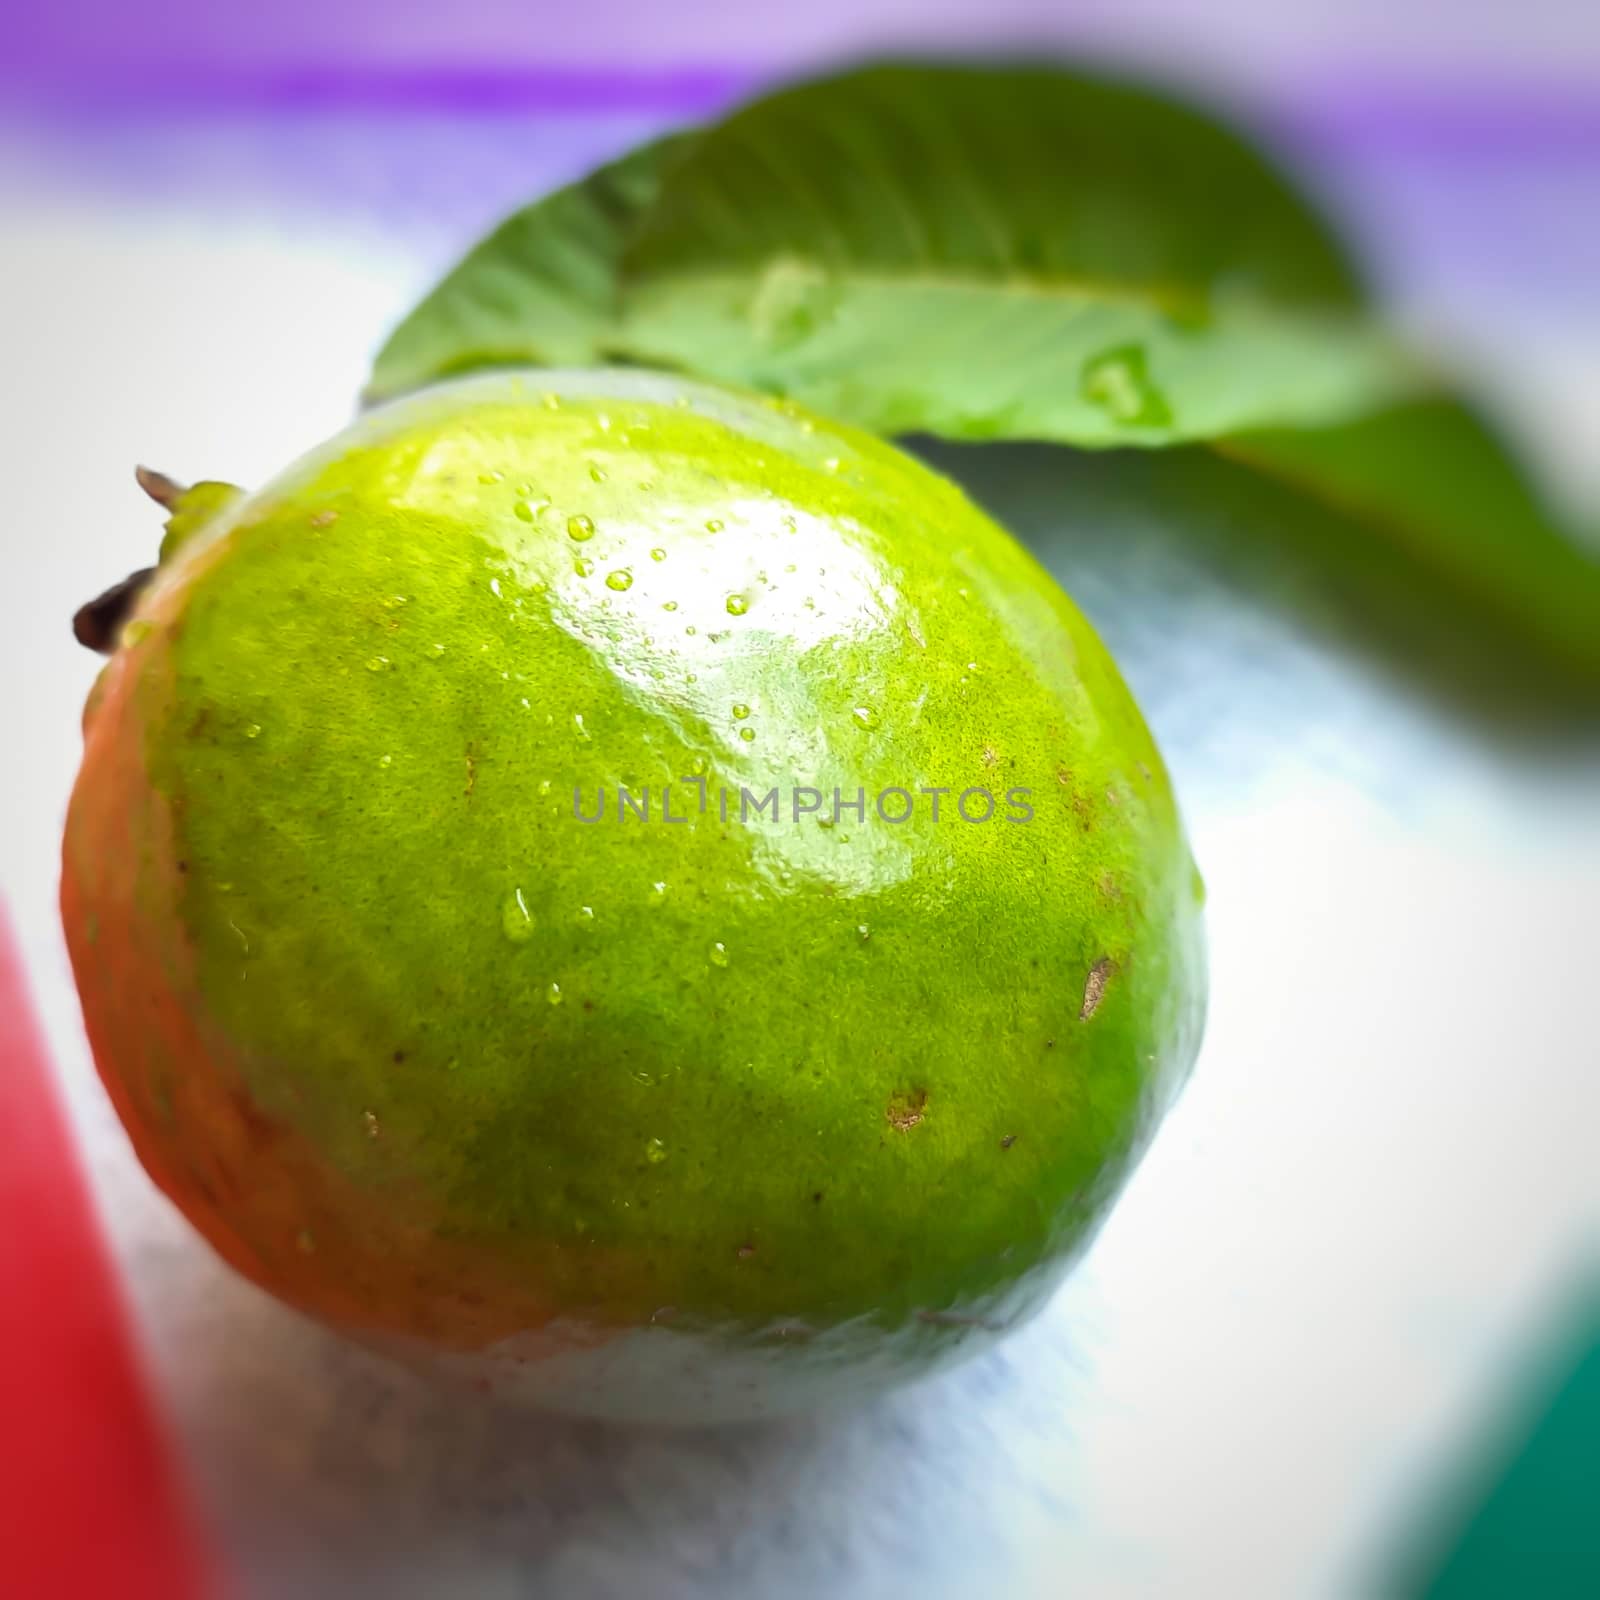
{"type": "Point", "coordinates": [90, 1503]}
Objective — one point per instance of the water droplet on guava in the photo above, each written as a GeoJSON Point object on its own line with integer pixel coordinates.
{"type": "Point", "coordinates": [619, 580]}
{"type": "Point", "coordinates": [580, 527]}
{"type": "Point", "coordinates": [1119, 383]}
{"type": "Point", "coordinates": [718, 955]}
{"type": "Point", "coordinates": [655, 1152]}
{"type": "Point", "coordinates": [737, 605]}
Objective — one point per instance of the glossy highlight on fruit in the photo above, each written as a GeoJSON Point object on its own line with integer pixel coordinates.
{"type": "Point", "coordinates": [690, 1113]}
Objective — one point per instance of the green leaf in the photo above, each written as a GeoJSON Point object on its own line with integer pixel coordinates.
{"type": "Point", "coordinates": [1432, 477]}
{"type": "Point", "coordinates": [1000, 252]}
{"type": "Point", "coordinates": [540, 290]}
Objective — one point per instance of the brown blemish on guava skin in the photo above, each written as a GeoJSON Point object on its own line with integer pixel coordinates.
{"type": "Point", "coordinates": [1064, 776]}
{"type": "Point", "coordinates": [1007, 1142]}
{"type": "Point", "coordinates": [258, 1129]}
{"type": "Point", "coordinates": [1094, 987]}
{"type": "Point", "coordinates": [990, 755]}
{"type": "Point", "coordinates": [745, 1251]}
{"type": "Point", "coordinates": [323, 519]}
{"type": "Point", "coordinates": [905, 1111]}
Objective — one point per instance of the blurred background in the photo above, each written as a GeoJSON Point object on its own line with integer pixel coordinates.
{"type": "Point", "coordinates": [1339, 1337]}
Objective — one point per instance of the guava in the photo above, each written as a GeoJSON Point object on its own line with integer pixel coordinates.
{"type": "Point", "coordinates": [455, 972]}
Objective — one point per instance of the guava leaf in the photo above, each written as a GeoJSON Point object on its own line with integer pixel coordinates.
{"type": "Point", "coordinates": [538, 290]}
{"type": "Point", "coordinates": [1431, 476]}
{"type": "Point", "coordinates": [988, 252]}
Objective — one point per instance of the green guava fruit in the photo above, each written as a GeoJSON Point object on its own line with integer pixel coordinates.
{"type": "Point", "coordinates": [697, 1110]}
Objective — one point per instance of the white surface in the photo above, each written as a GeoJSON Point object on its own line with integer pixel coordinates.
{"type": "Point", "coordinates": [1378, 1179]}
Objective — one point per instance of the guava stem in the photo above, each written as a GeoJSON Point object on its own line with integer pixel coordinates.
{"type": "Point", "coordinates": [98, 625]}
{"type": "Point", "coordinates": [163, 490]}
